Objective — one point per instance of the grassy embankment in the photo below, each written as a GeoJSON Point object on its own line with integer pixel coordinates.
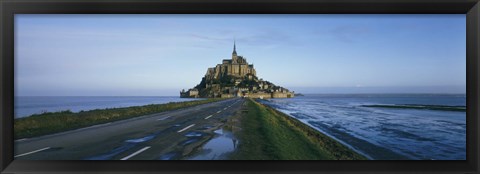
{"type": "Point", "coordinates": [54, 122]}
{"type": "Point", "coordinates": [267, 134]}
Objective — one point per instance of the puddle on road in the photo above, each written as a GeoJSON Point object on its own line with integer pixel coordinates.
{"type": "Point", "coordinates": [164, 118]}
{"type": "Point", "coordinates": [189, 141]}
{"type": "Point", "coordinates": [194, 134]}
{"type": "Point", "coordinates": [206, 127]}
{"type": "Point", "coordinates": [139, 140]}
{"type": "Point", "coordinates": [170, 156]}
{"type": "Point", "coordinates": [216, 149]}
{"type": "Point", "coordinates": [112, 153]}
{"type": "Point", "coordinates": [127, 145]}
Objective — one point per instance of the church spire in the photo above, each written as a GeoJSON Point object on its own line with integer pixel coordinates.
{"type": "Point", "coordinates": [234, 48]}
{"type": "Point", "coordinates": [234, 54]}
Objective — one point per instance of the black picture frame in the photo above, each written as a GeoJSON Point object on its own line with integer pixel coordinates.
{"type": "Point", "coordinates": [9, 8]}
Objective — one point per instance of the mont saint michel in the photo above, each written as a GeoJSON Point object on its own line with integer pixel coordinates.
{"type": "Point", "coordinates": [235, 78]}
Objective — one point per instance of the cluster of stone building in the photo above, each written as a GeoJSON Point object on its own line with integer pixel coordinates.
{"type": "Point", "coordinates": [235, 78]}
{"type": "Point", "coordinates": [237, 67]}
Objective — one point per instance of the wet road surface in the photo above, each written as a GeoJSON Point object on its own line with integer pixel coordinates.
{"type": "Point", "coordinates": [162, 136]}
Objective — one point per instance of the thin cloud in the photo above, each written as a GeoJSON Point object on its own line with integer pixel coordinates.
{"type": "Point", "coordinates": [264, 38]}
{"type": "Point", "coordinates": [206, 37]}
{"type": "Point", "coordinates": [349, 33]}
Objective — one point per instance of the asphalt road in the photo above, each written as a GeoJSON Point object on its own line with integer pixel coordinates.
{"type": "Point", "coordinates": [167, 135]}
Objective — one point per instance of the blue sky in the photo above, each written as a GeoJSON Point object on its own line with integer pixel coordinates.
{"type": "Point", "coordinates": [155, 55]}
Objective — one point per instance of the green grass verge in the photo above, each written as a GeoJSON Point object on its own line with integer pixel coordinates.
{"type": "Point", "coordinates": [54, 122]}
{"type": "Point", "coordinates": [268, 134]}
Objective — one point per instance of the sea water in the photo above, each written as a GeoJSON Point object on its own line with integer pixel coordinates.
{"type": "Point", "coordinates": [385, 133]}
{"type": "Point", "coordinates": [28, 105]}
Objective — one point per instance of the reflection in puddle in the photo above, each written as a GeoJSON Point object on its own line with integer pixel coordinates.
{"type": "Point", "coordinates": [190, 141]}
{"type": "Point", "coordinates": [139, 140]}
{"type": "Point", "coordinates": [169, 156]}
{"type": "Point", "coordinates": [218, 147]}
{"type": "Point", "coordinates": [206, 127]}
{"type": "Point", "coordinates": [127, 145]}
{"type": "Point", "coordinates": [109, 155]}
{"type": "Point", "coordinates": [194, 134]}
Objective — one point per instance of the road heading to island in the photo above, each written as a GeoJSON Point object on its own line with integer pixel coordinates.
{"type": "Point", "coordinates": [142, 138]}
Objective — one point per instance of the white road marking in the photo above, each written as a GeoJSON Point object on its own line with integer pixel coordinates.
{"type": "Point", "coordinates": [225, 108]}
{"type": "Point", "coordinates": [35, 151]}
{"type": "Point", "coordinates": [23, 139]}
{"type": "Point", "coordinates": [219, 112]}
{"type": "Point", "coordinates": [94, 126]}
{"type": "Point", "coordinates": [164, 118]}
{"type": "Point", "coordinates": [208, 117]}
{"type": "Point", "coordinates": [136, 153]}
{"type": "Point", "coordinates": [186, 128]}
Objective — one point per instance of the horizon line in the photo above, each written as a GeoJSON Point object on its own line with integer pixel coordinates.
{"type": "Point", "coordinates": [200, 98]}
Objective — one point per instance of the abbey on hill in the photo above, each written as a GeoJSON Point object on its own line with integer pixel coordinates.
{"type": "Point", "coordinates": [235, 78]}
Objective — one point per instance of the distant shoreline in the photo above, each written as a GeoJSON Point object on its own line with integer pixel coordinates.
{"type": "Point", "coordinates": [26, 106]}
{"type": "Point", "coordinates": [383, 94]}
{"type": "Point", "coordinates": [335, 93]}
